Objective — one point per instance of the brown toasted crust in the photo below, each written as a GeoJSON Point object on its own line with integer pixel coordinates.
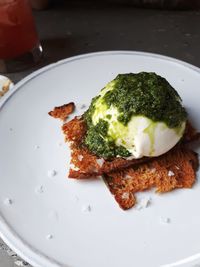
{"type": "Point", "coordinates": [175, 169]}
{"type": "Point", "coordinates": [74, 131]}
{"type": "Point", "coordinates": [87, 164]}
{"type": "Point", "coordinates": [63, 111]}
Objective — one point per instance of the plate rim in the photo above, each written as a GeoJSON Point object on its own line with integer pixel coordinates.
{"type": "Point", "coordinates": [88, 55]}
{"type": "Point", "coordinates": [8, 235]}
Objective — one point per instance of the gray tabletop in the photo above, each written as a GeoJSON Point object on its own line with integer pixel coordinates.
{"type": "Point", "coordinates": [70, 30]}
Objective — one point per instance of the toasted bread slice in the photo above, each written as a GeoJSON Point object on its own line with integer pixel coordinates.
{"type": "Point", "coordinates": [63, 111]}
{"type": "Point", "coordinates": [175, 169]}
{"type": "Point", "coordinates": [124, 177]}
{"type": "Point", "coordinates": [85, 164]}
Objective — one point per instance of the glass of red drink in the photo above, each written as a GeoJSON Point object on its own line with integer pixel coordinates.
{"type": "Point", "coordinates": [19, 43]}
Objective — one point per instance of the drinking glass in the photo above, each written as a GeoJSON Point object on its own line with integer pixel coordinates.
{"type": "Point", "coordinates": [19, 43]}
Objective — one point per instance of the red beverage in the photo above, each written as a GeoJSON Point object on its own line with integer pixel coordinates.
{"type": "Point", "coordinates": [18, 34]}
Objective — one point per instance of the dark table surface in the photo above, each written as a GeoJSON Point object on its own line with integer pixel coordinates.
{"type": "Point", "coordinates": [71, 30]}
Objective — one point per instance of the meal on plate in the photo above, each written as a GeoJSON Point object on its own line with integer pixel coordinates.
{"type": "Point", "coordinates": [135, 134]}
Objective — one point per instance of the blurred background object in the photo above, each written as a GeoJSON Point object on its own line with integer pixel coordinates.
{"type": "Point", "coordinates": [5, 85]}
{"type": "Point", "coordinates": [160, 4]}
{"type": "Point", "coordinates": [163, 4]}
{"type": "Point", "coordinates": [19, 43]}
{"type": "Point", "coordinates": [39, 4]}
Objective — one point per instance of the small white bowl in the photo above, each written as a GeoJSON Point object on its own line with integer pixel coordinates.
{"type": "Point", "coordinates": [5, 85]}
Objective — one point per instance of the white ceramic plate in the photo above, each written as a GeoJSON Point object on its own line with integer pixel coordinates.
{"type": "Point", "coordinates": [46, 223]}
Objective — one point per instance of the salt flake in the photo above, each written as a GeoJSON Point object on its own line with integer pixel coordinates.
{"type": "Point", "coordinates": [153, 170]}
{"type": "Point", "coordinates": [165, 220]}
{"type": "Point", "coordinates": [83, 106]}
{"type": "Point", "coordinates": [8, 201]}
{"type": "Point", "coordinates": [100, 162]}
{"type": "Point", "coordinates": [144, 203]}
{"type": "Point", "coordinates": [49, 237]}
{"type": "Point", "coordinates": [86, 208]}
{"type": "Point", "coordinates": [127, 176]}
{"type": "Point", "coordinates": [80, 157]}
{"type": "Point", "coordinates": [39, 189]}
{"type": "Point", "coordinates": [170, 173]}
{"type": "Point", "coordinates": [51, 173]}
{"type": "Point", "coordinates": [125, 195]}
{"type": "Point", "coordinates": [73, 167]}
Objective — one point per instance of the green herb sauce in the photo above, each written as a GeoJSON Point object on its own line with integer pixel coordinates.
{"type": "Point", "coordinates": [146, 94]}
{"type": "Point", "coordinates": [100, 144]}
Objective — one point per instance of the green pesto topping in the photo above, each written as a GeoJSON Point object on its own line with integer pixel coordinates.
{"type": "Point", "coordinates": [100, 144]}
{"type": "Point", "coordinates": [146, 94]}
{"type": "Point", "coordinates": [142, 94]}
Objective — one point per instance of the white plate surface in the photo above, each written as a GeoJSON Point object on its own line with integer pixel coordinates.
{"type": "Point", "coordinates": [31, 144]}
